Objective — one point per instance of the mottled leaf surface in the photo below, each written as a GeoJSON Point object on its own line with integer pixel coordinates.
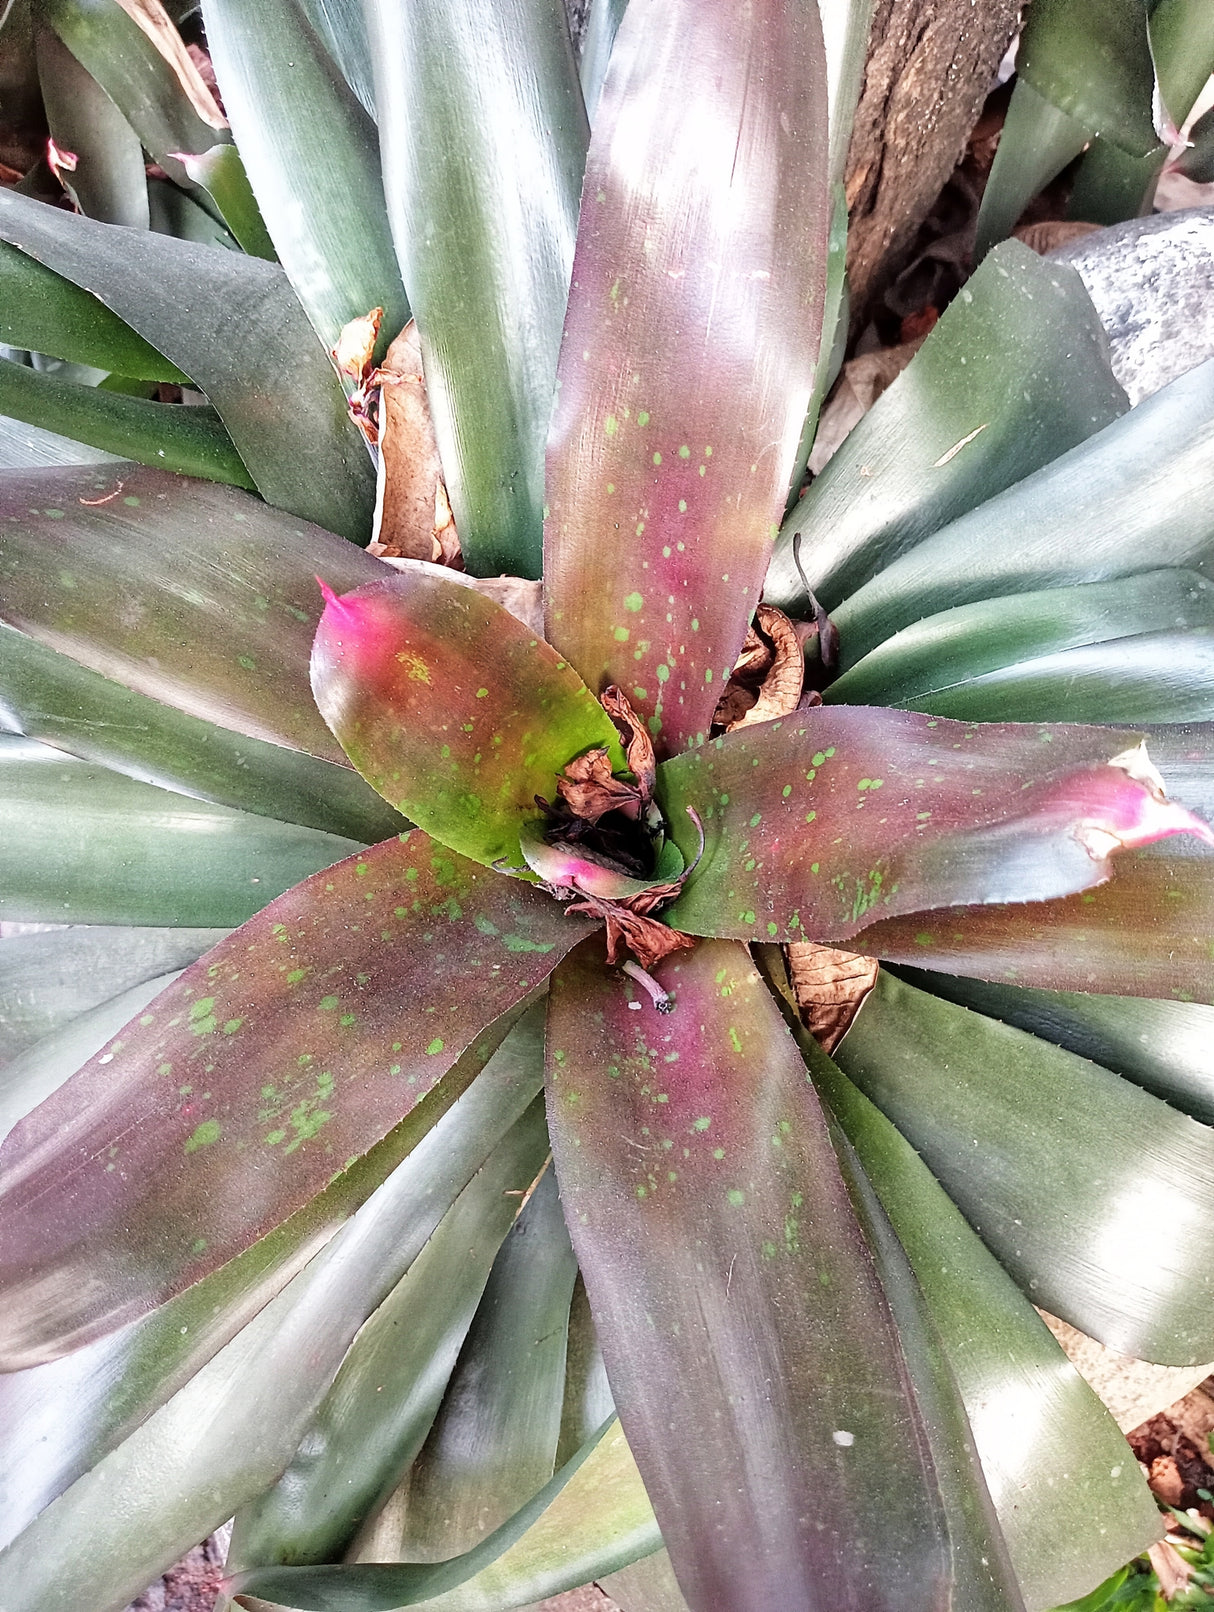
{"type": "Point", "coordinates": [452, 708]}
{"type": "Point", "coordinates": [232, 324]}
{"type": "Point", "coordinates": [1087, 1189]}
{"type": "Point", "coordinates": [218, 1119]}
{"type": "Point", "coordinates": [825, 821]}
{"type": "Point", "coordinates": [1148, 932]}
{"type": "Point", "coordinates": [231, 1431]}
{"type": "Point", "coordinates": [741, 1318]}
{"type": "Point", "coordinates": [1016, 372]}
{"type": "Point", "coordinates": [690, 348]}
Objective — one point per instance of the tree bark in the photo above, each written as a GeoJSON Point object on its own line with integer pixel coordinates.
{"type": "Point", "coordinates": [930, 66]}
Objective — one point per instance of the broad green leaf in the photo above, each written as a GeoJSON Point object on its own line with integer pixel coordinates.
{"type": "Point", "coordinates": [685, 376]}
{"type": "Point", "coordinates": [646, 1586]}
{"type": "Point", "coordinates": [374, 1419]}
{"type": "Point", "coordinates": [1099, 651]}
{"type": "Point", "coordinates": [1036, 143]}
{"type": "Point", "coordinates": [221, 174]}
{"type": "Point", "coordinates": [1198, 162]}
{"type": "Point", "coordinates": [343, 28]}
{"type": "Point", "coordinates": [493, 1445]}
{"type": "Point", "coordinates": [741, 1318]}
{"type": "Point", "coordinates": [231, 1431]}
{"type": "Point", "coordinates": [46, 980]}
{"type": "Point", "coordinates": [602, 24]}
{"type": "Point", "coordinates": [312, 157]}
{"type": "Point", "coordinates": [1053, 1456]}
{"type": "Point", "coordinates": [81, 844]}
{"type": "Point", "coordinates": [1182, 43]}
{"type": "Point", "coordinates": [44, 1067]}
{"type": "Point", "coordinates": [1166, 1047]}
{"type": "Point", "coordinates": [834, 336]}
{"type": "Point", "coordinates": [112, 48]}
{"type": "Point", "coordinates": [191, 441]}
{"type": "Point", "coordinates": [484, 228]}
{"type": "Point", "coordinates": [588, 1402]}
{"type": "Point", "coordinates": [49, 697]}
{"type": "Point", "coordinates": [1015, 373]}
{"type": "Point", "coordinates": [1088, 1190]}
{"type": "Point", "coordinates": [1111, 186]}
{"type": "Point", "coordinates": [1092, 59]}
{"type": "Point", "coordinates": [189, 593]}
{"type": "Point", "coordinates": [22, 447]}
{"type": "Point", "coordinates": [107, 181]}
{"type": "Point", "coordinates": [452, 708]}
{"type": "Point", "coordinates": [231, 323]}
{"type": "Point", "coordinates": [845, 33]}
{"type": "Point", "coordinates": [592, 1518]}
{"type": "Point", "coordinates": [369, 963]}
{"type": "Point", "coordinates": [1148, 932]}
{"type": "Point", "coordinates": [40, 309]}
{"type": "Point", "coordinates": [178, 214]}
{"type": "Point", "coordinates": [816, 825]}
{"type": "Point", "coordinates": [1125, 501]}
{"type": "Point", "coordinates": [116, 1383]}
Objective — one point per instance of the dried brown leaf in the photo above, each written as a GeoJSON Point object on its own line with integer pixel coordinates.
{"type": "Point", "coordinates": [590, 791]}
{"type": "Point", "coordinates": [628, 930]}
{"type": "Point", "coordinates": [1052, 233]}
{"type": "Point", "coordinates": [159, 27]}
{"type": "Point", "coordinates": [638, 746]}
{"type": "Point", "coordinates": [829, 987]}
{"type": "Point", "coordinates": [356, 344]}
{"type": "Point", "coordinates": [411, 496]}
{"type": "Point", "coordinates": [781, 687]}
{"type": "Point", "coordinates": [1174, 1572]}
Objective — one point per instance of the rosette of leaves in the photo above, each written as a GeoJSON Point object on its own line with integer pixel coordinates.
{"type": "Point", "coordinates": [281, 1235]}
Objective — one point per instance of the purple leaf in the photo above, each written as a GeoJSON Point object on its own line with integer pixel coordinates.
{"type": "Point", "coordinates": [272, 1064]}
{"type": "Point", "coordinates": [835, 817]}
{"type": "Point", "coordinates": [749, 1345]}
{"type": "Point", "coordinates": [689, 350]}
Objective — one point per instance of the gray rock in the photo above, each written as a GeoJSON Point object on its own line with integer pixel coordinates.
{"type": "Point", "coordinates": [1152, 280]}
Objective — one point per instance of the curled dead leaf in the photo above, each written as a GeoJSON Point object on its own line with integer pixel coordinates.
{"type": "Point", "coordinates": [356, 345]}
{"type": "Point", "coordinates": [768, 675]}
{"type": "Point", "coordinates": [1174, 1572]}
{"type": "Point", "coordinates": [830, 987]}
{"type": "Point", "coordinates": [638, 746]}
{"type": "Point", "coordinates": [632, 931]}
{"type": "Point", "coordinates": [590, 791]}
{"type": "Point", "coordinates": [413, 517]}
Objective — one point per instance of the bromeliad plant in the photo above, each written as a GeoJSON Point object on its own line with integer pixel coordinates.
{"type": "Point", "coordinates": [280, 1237]}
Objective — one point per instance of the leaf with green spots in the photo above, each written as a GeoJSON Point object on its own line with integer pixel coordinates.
{"type": "Point", "coordinates": [325, 1092]}
{"type": "Point", "coordinates": [1148, 932]}
{"type": "Point", "coordinates": [685, 375]}
{"type": "Point", "coordinates": [891, 812]}
{"type": "Point", "coordinates": [453, 709]}
{"type": "Point", "coordinates": [741, 1319]}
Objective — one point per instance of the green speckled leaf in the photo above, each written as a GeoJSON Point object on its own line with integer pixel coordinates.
{"type": "Point", "coordinates": [816, 825]}
{"type": "Point", "coordinates": [453, 709]}
{"type": "Point", "coordinates": [741, 1319]}
{"type": "Point", "coordinates": [386, 966]}
{"type": "Point", "coordinates": [1148, 932]}
{"type": "Point", "coordinates": [690, 348]}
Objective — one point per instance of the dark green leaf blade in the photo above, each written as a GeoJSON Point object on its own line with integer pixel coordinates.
{"type": "Point", "coordinates": [228, 1434]}
{"type": "Point", "coordinates": [705, 1204]}
{"type": "Point", "coordinates": [191, 441]}
{"type": "Point", "coordinates": [1036, 143]}
{"type": "Point", "coordinates": [1016, 372]}
{"type": "Point", "coordinates": [685, 375]}
{"type": "Point", "coordinates": [49, 697]}
{"type": "Point", "coordinates": [452, 708]}
{"type": "Point", "coordinates": [311, 153]}
{"type": "Point", "coordinates": [39, 309]}
{"type": "Point", "coordinates": [232, 325]}
{"type": "Point", "coordinates": [26, 447]}
{"type": "Point", "coordinates": [1148, 932]}
{"type": "Point", "coordinates": [124, 567]}
{"type": "Point", "coordinates": [1120, 503]}
{"type": "Point", "coordinates": [373, 1421]}
{"type": "Point", "coordinates": [1165, 1047]}
{"type": "Point", "coordinates": [1030, 1411]}
{"type": "Point", "coordinates": [206, 1172]}
{"type": "Point", "coordinates": [81, 844]}
{"type": "Point", "coordinates": [484, 228]}
{"type": "Point", "coordinates": [1092, 59]}
{"type": "Point", "coordinates": [1079, 1182]}
{"type": "Point", "coordinates": [816, 825]}
{"type": "Point", "coordinates": [105, 177]}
